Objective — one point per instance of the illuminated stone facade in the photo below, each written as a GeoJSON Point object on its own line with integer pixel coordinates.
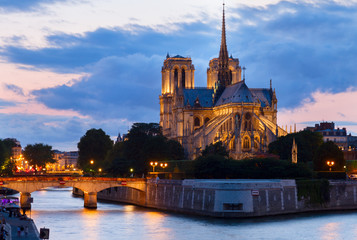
{"type": "Point", "coordinates": [244, 119]}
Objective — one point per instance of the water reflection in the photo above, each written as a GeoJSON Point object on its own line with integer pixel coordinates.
{"type": "Point", "coordinates": [67, 219]}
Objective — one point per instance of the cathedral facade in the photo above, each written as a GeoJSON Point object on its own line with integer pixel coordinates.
{"type": "Point", "coordinates": [243, 119]}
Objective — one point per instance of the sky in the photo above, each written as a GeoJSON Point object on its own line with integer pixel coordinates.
{"type": "Point", "coordinates": [67, 66]}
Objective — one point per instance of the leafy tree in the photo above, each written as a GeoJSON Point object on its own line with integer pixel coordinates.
{"type": "Point", "coordinates": [216, 166]}
{"type": "Point", "coordinates": [215, 149]}
{"type": "Point", "coordinates": [308, 142]}
{"type": "Point", "coordinates": [144, 143]}
{"type": "Point", "coordinates": [38, 154]}
{"type": "Point", "coordinates": [329, 151]}
{"type": "Point", "coordinates": [94, 145]}
{"type": "Point", "coordinates": [211, 166]}
{"type": "Point", "coordinates": [6, 146]}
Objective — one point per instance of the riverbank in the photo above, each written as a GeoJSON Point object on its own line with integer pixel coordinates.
{"type": "Point", "coordinates": [231, 198]}
{"type": "Point", "coordinates": [15, 222]}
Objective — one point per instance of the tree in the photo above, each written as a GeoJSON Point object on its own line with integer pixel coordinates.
{"type": "Point", "coordinates": [38, 154]}
{"type": "Point", "coordinates": [215, 149]}
{"type": "Point", "coordinates": [94, 145]}
{"type": "Point", "coordinates": [216, 166]}
{"type": "Point", "coordinates": [329, 151]}
{"type": "Point", "coordinates": [144, 143]}
{"type": "Point", "coordinates": [307, 142]}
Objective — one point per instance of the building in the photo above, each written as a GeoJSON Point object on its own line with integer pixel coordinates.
{"type": "Point", "coordinates": [244, 119]}
{"type": "Point", "coordinates": [329, 133]}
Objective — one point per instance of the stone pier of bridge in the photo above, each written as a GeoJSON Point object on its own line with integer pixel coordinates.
{"type": "Point", "coordinates": [89, 185]}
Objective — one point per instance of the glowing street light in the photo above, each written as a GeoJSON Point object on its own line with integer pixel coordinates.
{"type": "Point", "coordinates": [330, 164]}
{"type": "Point", "coordinates": [153, 164]}
{"type": "Point", "coordinates": [163, 165]}
{"type": "Point", "coordinates": [91, 162]}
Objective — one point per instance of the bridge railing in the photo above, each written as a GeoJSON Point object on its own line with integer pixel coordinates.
{"type": "Point", "coordinates": [52, 179]}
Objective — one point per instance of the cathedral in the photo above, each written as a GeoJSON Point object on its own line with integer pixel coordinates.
{"type": "Point", "coordinates": [243, 119]}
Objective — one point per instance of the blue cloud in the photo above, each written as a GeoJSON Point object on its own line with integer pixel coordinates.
{"type": "Point", "coordinates": [119, 87]}
{"type": "Point", "coordinates": [23, 5]}
{"type": "Point", "coordinates": [302, 47]}
{"type": "Point", "coordinates": [15, 89]}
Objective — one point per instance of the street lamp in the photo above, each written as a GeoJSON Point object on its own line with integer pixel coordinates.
{"type": "Point", "coordinates": [91, 162]}
{"type": "Point", "coordinates": [163, 165]}
{"type": "Point", "coordinates": [330, 164]}
{"type": "Point", "coordinates": [153, 164]}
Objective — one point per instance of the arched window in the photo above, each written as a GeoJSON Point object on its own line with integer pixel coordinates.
{"type": "Point", "coordinates": [176, 76]}
{"type": "Point", "coordinates": [246, 143]}
{"type": "Point", "coordinates": [237, 121]}
{"type": "Point", "coordinates": [206, 120]}
{"type": "Point", "coordinates": [183, 78]}
{"type": "Point", "coordinates": [197, 122]}
{"type": "Point", "coordinates": [247, 122]}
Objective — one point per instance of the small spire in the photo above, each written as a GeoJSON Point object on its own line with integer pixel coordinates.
{"type": "Point", "coordinates": [244, 73]}
{"type": "Point", "coordinates": [271, 84]}
{"type": "Point", "coordinates": [168, 55]}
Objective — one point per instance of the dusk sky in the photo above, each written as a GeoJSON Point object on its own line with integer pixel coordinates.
{"type": "Point", "coordinates": [68, 66]}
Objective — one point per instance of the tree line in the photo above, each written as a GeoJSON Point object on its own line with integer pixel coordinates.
{"type": "Point", "coordinates": [143, 143]}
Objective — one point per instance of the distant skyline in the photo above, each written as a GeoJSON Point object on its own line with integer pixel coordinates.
{"type": "Point", "coordinates": [68, 66]}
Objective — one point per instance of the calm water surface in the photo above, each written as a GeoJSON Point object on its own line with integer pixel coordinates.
{"type": "Point", "coordinates": [67, 219]}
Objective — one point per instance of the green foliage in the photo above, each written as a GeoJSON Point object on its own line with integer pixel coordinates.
{"type": "Point", "coordinates": [307, 143]}
{"type": "Point", "coordinates": [6, 150]}
{"type": "Point", "coordinates": [8, 168]}
{"type": "Point", "coordinates": [314, 191]}
{"type": "Point", "coordinates": [144, 143]}
{"type": "Point", "coordinates": [215, 149]}
{"type": "Point", "coordinates": [38, 154]}
{"type": "Point", "coordinates": [211, 166]}
{"type": "Point", "coordinates": [94, 145]}
{"type": "Point", "coordinates": [215, 166]}
{"type": "Point", "coordinates": [329, 151]}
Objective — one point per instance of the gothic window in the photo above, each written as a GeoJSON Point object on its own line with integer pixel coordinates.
{"type": "Point", "coordinates": [183, 80]}
{"type": "Point", "coordinates": [176, 76]}
{"type": "Point", "coordinates": [206, 120]}
{"type": "Point", "coordinates": [197, 122]}
{"type": "Point", "coordinates": [237, 121]}
{"type": "Point", "coordinates": [246, 143]}
{"type": "Point", "coordinates": [247, 122]}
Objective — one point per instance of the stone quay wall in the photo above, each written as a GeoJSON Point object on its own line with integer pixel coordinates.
{"type": "Point", "coordinates": [231, 198]}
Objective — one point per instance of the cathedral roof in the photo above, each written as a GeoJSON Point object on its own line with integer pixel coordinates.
{"type": "Point", "coordinates": [264, 95]}
{"type": "Point", "coordinates": [203, 95]}
{"type": "Point", "coordinates": [237, 93]}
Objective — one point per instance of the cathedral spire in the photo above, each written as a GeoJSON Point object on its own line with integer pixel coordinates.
{"type": "Point", "coordinates": [224, 74]}
{"type": "Point", "coordinates": [223, 53]}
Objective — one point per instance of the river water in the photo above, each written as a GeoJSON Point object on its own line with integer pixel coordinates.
{"type": "Point", "coordinates": [64, 214]}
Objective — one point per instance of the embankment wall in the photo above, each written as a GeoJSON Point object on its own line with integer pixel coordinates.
{"type": "Point", "coordinates": [231, 198]}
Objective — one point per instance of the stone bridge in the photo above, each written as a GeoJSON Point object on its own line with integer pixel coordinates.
{"type": "Point", "coordinates": [89, 185]}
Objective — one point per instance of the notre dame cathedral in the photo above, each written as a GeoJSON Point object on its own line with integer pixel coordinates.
{"type": "Point", "coordinates": [244, 119]}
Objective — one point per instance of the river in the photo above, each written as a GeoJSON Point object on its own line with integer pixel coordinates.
{"type": "Point", "coordinates": [64, 214]}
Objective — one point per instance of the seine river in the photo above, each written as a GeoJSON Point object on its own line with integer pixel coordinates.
{"type": "Point", "coordinates": [67, 219]}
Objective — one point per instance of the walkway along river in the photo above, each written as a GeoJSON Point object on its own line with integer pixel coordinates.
{"type": "Point", "coordinates": [64, 214]}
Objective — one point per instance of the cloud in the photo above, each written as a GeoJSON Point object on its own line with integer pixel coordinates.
{"type": "Point", "coordinates": [323, 106]}
{"type": "Point", "coordinates": [61, 132]}
{"type": "Point", "coordinates": [23, 5]}
{"type": "Point", "coordinates": [304, 49]}
{"type": "Point", "coordinates": [118, 87]}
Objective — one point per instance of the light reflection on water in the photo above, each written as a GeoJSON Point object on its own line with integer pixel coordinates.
{"type": "Point", "coordinates": [67, 219]}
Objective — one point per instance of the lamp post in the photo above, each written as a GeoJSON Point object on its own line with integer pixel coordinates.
{"type": "Point", "coordinates": [163, 165]}
{"type": "Point", "coordinates": [91, 169]}
{"type": "Point", "coordinates": [153, 164]}
{"type": "Point", "coordinates": [330, 164]}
